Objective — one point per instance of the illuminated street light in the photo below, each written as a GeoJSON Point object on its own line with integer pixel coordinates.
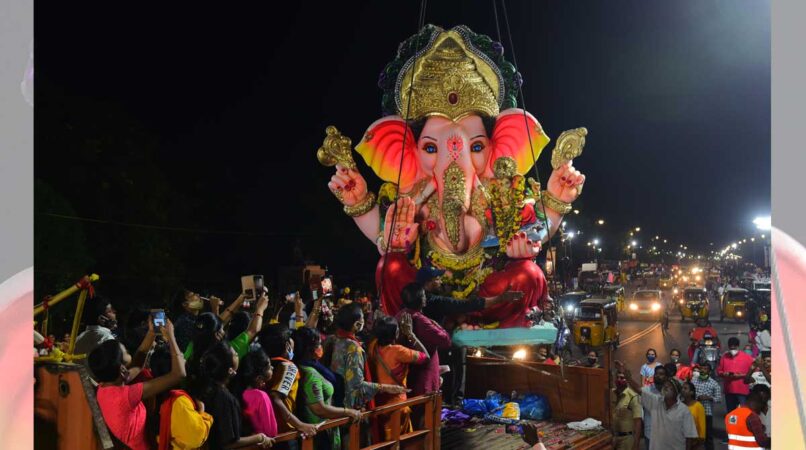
{"type": "Point", "coordinates": [753, 239]}
{"type": "Point", "coordinates": [600, 221]}
{"type": "Point", "coordinates": [596, 242]}
{"type": "Point", "coordinates": [576, 211]}
{"type": "Point", "coordinates": [733, 245]}
{"type": "Point", "coordinates": [564, 223]}
{"type": "Point", "coordinates": [763, 223]}
{"type": "Point", "coordinates": [762, 236]}
{"type": "Point", "coordinates": [570, 235]}
{"type": "Point", "coordinates": [664, 241]}
{"type": "Point", "coordinates": [637, 229]}
{"type": "Point", "coordinates": [634, 243]}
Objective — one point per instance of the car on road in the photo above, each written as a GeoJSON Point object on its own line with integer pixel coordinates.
{"type": "Point", "coordinates": [569, 302]}
{"type": "Point", "coordinates": [646, 303]}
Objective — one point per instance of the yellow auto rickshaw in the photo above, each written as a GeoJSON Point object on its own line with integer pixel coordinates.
{"type": "Point", "coordinates": [693, 303]}
{"type": "Point", "coordinates": [733, 304]}
{"type": "Point", "coordinates": [615, 292]}
{"type": "Point", "coordinates": [596, 324]}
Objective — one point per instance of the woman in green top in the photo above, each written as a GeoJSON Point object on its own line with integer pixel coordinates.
{"type": "Point", "coordinates": [316, 391]}
{"type": "Point", "coordinates": [210, 329]}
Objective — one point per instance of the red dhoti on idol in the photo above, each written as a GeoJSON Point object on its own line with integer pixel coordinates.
{"type": "Point", "coordinates": [518, 275]}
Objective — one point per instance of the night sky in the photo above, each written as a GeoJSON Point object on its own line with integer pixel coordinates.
{"type": "Point", "coordinates": [232, 102]}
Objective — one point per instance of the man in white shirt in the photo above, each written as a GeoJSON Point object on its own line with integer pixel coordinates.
{"type": "Point", "coordinates": [763, 340]}
{"type": "Point", "coordinates": [672, 423]}
{"type": "Point", "coordinates": [101, 320]}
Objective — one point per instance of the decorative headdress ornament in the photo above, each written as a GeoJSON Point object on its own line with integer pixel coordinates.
{"type": "Point", "coordinates": [454, 73]}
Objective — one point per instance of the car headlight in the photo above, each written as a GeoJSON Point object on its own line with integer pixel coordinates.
{"type": "Point", "coordinates": [682, 301]}
{"type": "Point", "coordinates": [698, 278]}
{"type": "Point", "coordinates": [633, 307]}
{"type": "Point", "coordinates": [569, 306]}
{"type": "Point", "coordinates": [675, 291]}
{"type": "Point", "coordinates": [739, 313]}
{"type": "Point", "coordinates": [655, 306]}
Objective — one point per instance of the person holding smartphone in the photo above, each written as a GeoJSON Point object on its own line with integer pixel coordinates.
{"type": "Point", "coordinates": [121, 403]}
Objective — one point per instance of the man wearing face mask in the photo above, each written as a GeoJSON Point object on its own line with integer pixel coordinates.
{"type": "Point", "coordinates": [707, 392]}
{"type": "Point", "coordinates": [733, 367]}
{"type": "Point", "coordinates": [101, 322]}
{"type": "Point", "coordinates": [627, 415]}
{"type": "Point", "coordinates": [672, 425]}
{"type": "Point", "coordinates": [592, 360]}
{"type": "Point", "coordinates": [744, 425]}
{"type": "Point", "coordinates": [185, 323]}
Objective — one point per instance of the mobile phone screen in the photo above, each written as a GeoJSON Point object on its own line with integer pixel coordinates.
{"type": "Point", "coordinates": [159, 318]}
{"type": "Point", "coordinates": [327, 286]}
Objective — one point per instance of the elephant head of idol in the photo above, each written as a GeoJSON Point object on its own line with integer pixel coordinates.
{"type": "Point", "coordinates": [449, 101]}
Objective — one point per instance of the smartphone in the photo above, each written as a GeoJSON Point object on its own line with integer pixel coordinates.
{"type": "Point", "coordinates": [158, 317]}
{"type": "Point", "coordinates": [327, 286]}
{"type": "Point", "coordinates": [251, 286]}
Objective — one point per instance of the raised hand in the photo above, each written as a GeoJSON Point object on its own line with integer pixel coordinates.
{"type": "Point", "coordinates": [406, 229]}
{"type": "Point", "coordinates": [521, 247]}
{"type": "Point", "coordinates": [262, 303]}
{"type": "Point", "coordinates": [406, 327]}
{"type": "Point", "coordinates": [167, 330]}
{"type": "Point", "coordinates": [566, 183]}
{"type": "Point", "coordinates": [348, 186]}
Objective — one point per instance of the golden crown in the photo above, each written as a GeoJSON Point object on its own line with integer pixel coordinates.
{"type": "Point", "coordinates": [450, 78]}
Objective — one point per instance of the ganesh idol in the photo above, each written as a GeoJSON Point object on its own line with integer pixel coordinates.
{"type": "Point", "coordinates": [455, 153]}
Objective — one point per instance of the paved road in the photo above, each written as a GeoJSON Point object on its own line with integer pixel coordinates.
{"type": "Point", "coordinates": [638, 336]}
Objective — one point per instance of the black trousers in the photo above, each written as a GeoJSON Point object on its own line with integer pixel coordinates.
{"type": "Point", "coordinates": [454, 385]}
{"type": "Point", "coordinates": [709, 432]}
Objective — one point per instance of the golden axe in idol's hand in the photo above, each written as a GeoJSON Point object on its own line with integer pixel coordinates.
{"type": "Point", "coordinates": [450, 118]}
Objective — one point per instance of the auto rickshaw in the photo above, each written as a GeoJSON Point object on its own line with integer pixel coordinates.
{"type": "Point", "coordinates": [616, 292]}
{"type": "Point", "coordinates": [758, 308]}
{"type": "Point", "coordinates": [666, 282]}
{"type": "Point", "coordinates": [733, 304]}
{"type": "Point", "coordinates": [693, 303]}
{"type": "Point", "coordinates": [596, 324]}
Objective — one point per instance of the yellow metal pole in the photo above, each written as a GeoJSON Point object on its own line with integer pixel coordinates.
{"type": "Point", "coordinates": [82, 297]}
{"type": "Point", "coordinates": [38, 309]}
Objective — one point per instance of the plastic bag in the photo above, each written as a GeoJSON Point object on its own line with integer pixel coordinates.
{"type": "Point", "coordinates": [474, 407]}
{"type": "Point", "coordinates": [535, 407]}
{"type": "Point", "coordinates": [494, 400]}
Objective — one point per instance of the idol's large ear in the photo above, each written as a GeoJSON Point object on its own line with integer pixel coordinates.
{"type": "Point", "coordinates": [510, 138]}
{"type": "Point", "coordinates": [383, 146]}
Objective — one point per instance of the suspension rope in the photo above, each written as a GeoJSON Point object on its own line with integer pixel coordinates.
{"type": "Point", "coordinates": [420, 24]}
{"type": "Point", "coordinates": [525, 117]}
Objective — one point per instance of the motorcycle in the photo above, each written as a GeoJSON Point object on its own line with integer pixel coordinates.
{"type": "Point", "coordinates": [708, 351]}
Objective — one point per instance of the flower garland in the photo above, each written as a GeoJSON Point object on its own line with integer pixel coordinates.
{"type": "Point", "coordinates": [506, 209]}
{"type": "Point", "coordinates": [470, 282]}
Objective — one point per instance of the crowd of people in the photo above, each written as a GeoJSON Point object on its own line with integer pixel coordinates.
{"type": "Point", "coordinates": [671, 406]}
{"type": "Point", "coordinates": [226, 376]}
